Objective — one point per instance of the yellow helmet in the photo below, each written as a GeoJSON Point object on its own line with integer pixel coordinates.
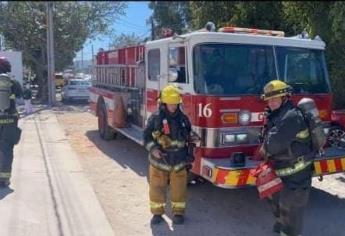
{"type": "Point", "coordinates": [276, 88]}
{"type": "Point", "coordinates": [170, 95]}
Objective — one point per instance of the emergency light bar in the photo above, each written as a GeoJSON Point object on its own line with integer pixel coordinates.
{"type": "Point", "coordinates": [230, 29]}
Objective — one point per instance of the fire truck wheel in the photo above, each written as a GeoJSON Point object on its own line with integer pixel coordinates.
{"type": "Point", "coordinates": [105, 131]}
{"type": "Point", "coordinates": [336, 137]}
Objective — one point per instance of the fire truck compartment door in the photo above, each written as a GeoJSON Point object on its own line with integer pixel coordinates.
{"type": "Point", "coordinates": [156, 66]}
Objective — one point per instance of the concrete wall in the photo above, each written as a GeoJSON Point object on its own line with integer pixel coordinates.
{"type": "Point", "coordinates": [15, 58]}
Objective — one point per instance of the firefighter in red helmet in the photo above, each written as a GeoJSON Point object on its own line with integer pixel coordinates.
{"type": "Point", "coordinates": [166, 138]}
{"type": "Point", "coordinates": [9, 131]}
{"type": "Point", "coordinates": [287, 143]}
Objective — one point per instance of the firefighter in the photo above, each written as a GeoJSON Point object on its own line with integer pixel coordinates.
{"type": "Point", "coordinates": [27, 96]}
{"type": "Point", "coordinates": [9, 131]}
{"type": "Point", "coordinates": [287, 144]}
{"type": "Point", "coordinates": [165, 137]}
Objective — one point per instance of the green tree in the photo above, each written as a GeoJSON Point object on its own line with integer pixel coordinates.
{"type": "Point", "coordinates": [126, 40]}
{"type": "Point", "coordinates": [23, 25]}
{"type": "Point", "coordinates": [218, 12]}
{"type": "Point", "coordinates": [326, 19]}
{"type": "Point", "coordinates": [251, 14]}
{"type": "Point", "coordinates": [174, 15]}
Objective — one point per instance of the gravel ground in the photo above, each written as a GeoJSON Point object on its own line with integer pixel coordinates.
{"type": "Point", "coordinates": [118, 169]}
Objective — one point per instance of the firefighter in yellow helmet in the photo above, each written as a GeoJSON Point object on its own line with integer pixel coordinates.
{"type": "Point", "coordinates": [165, 137]}
{"type": "Point", "coordinates": [287, 144]}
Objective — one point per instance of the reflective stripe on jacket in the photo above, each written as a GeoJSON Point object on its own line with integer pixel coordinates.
{"type": "Point", "coordinates": [173, 145]}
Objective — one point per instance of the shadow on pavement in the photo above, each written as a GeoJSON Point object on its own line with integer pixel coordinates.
{"type": "Point", "coordinates": [5, 191]}
{"type": "Point", "coordinates": [325, 214]}
{"type": "Point", "coordinates": [341, 178]}
{"type": "Point", "coordinates": [75, 106]}
{"type": "Point", "coordinates": [214, 211]}
{"type": "Point", "coordinates": [124, 151]}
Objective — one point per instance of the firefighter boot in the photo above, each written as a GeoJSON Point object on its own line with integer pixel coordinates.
{"type": "Point", "coordinates": [178, 219]}
{"type": "Point", "coordinates": [156, 219]}
{"type": "Point", "coordinates": [277, 227]}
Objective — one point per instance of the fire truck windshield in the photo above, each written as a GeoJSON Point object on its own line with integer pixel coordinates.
{"type": "Point", "coordinates": [238, 69]}
{"type": "Point", "coordinates": [304, 69]}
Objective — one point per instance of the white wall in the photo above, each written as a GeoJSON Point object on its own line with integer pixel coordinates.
{"type": "Point", "coordinates": [15, 58]}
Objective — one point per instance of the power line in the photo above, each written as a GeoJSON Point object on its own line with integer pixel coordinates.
{"type": "Point", "coordinates": [131, 24]}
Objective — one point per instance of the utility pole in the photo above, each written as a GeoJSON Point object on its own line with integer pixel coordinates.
{"type": "Point", "coordinates": [92, 60]}
{"type": "Point", "coordinates": [82, 60]}
{"type": "Point", "coordinates": [50, 54]}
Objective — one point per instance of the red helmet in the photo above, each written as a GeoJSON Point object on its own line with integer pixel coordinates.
{"type": "Point", "coordinates": [5, 65]}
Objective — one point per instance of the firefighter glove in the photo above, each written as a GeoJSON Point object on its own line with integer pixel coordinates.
{"type": "Point", "coordinates": [164, 141]}
{"type": "Point", "coordinates": [156, 153]}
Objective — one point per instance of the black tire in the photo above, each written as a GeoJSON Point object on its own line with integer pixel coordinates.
{"type": "Point", "coordinates": [336, 137]}
{"type": "Point", "coordinates": [105, 131]}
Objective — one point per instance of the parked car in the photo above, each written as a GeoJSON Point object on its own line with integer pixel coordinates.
{"type": "Point", "coordinates": [76, 89]}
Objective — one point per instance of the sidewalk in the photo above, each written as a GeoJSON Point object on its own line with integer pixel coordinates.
{"type": "Point", "coordinates": [49, 194]}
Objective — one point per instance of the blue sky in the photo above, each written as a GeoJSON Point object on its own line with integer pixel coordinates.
{"type": "Point", "coordinates": [133, 22]}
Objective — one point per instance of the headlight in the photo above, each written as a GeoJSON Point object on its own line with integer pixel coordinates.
{"type": "Point", "coordinates": [244, 117]}
{"type": "Point", "coordinates": [228, 138]}
{"type": "Point", "coordinates": [241, 138]}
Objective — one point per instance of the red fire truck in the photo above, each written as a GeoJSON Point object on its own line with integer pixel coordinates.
{"type": "Point", "coordinates": [221, 75]}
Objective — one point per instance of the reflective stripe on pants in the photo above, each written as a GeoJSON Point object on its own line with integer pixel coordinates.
{"type": "Point", "coordinates": [159, 181]}
{"type": "Point", "coordinates": [156, 205]}
{"type": "Point", "coordinates": [5, 175]}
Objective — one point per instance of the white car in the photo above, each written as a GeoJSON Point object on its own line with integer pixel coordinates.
{"type": "Point", "coordinates": [76, 89]}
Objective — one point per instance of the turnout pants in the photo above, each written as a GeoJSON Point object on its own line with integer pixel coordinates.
{"type": "Point", "coordinates": [159, 181]}
{"type": "Point", "coordinates": [288, 208]}
{"type": "Point", "coordinates": [9, 136]}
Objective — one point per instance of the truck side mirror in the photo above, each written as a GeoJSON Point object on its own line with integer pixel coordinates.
{"type": "Point", "coordinates": [173, 74]}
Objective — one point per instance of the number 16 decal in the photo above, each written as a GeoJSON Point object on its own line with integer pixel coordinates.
{"type": "Point", "coordinates": [204, 111]}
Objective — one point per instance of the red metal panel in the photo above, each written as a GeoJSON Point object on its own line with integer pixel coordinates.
{"type": "Point", "coordinates": [102, 92]}
{"type": "Point", "coordinates": [106, 59]}
{"type": "Point", "coordinates": [113, 56]}
{"type": "Point", "coordinates": [225, 152]}
{"type": "Point", "coordinates": [151, 100]}
{"type": "Point", "coordinates": [243, 177]}
{"type": "Point", "coordinates": [220, 179]}
{"type": "Point", "coordinates": [338, 116]}
{"type": "Point", "coordinates": [101, 58]}
{"type": "Point", "coordinates": [251, 103]}
{"type": "Point", "coordinates": [131, 55]}
{"type": "Point", "coordinates": [122, 56]}
{"type": "Point", "coordinates": [337, 163]}
{"type": "Point", "coordinates": [324, 166]}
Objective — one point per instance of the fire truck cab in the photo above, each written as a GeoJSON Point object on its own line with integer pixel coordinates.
{"type": "Point", "coordinates": [221, 76]}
